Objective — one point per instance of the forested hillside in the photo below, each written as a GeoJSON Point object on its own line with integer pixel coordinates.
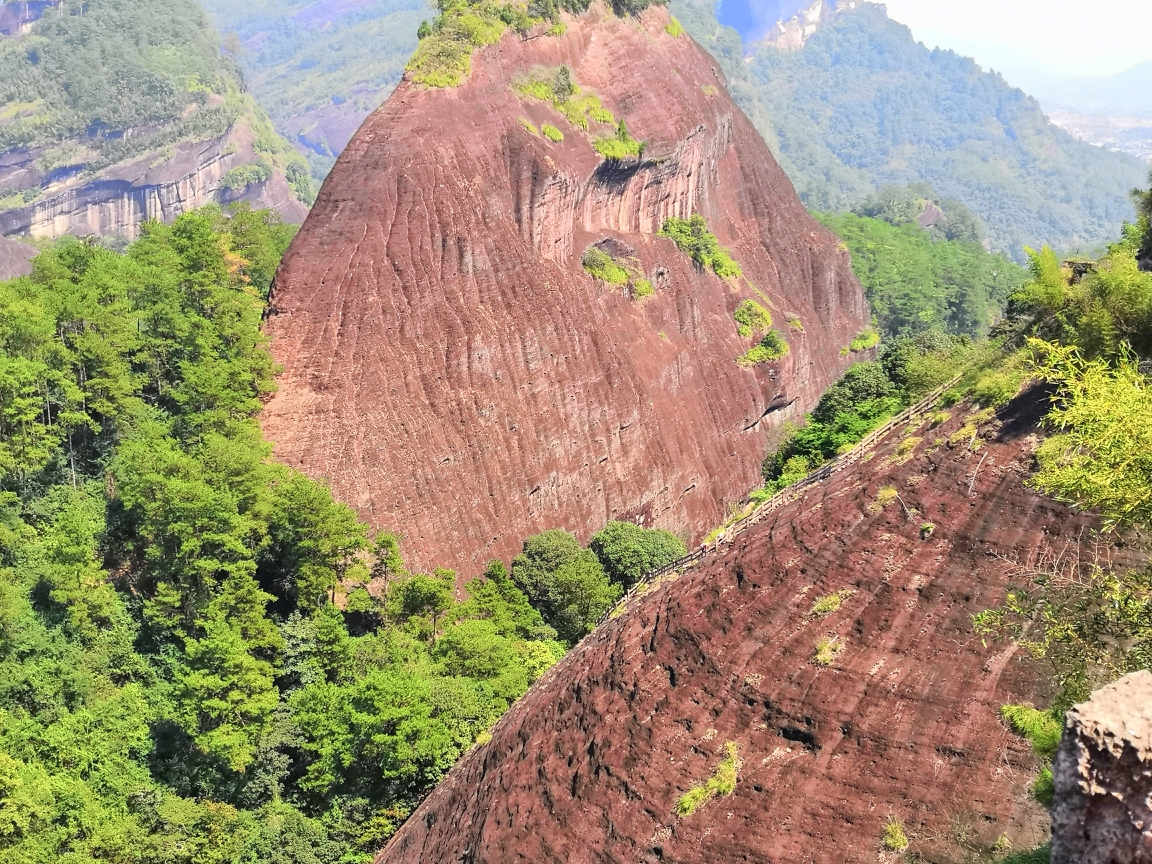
{"type": "Point", "coordinates": [863, 105]}
{"type": "Point", "coordinates": [318, 66]}
{"type": "Point", "coordinates": [923, 265]}
{"type": "Point", "coordinates": [112, 96]}
{"type": "Point", "coordinates": [203, 656]}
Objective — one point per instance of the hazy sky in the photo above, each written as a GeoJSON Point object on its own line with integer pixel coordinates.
{"type": "Point", "coordinates": [1021, 38]}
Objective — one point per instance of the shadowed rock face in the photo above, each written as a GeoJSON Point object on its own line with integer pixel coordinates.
{"type": "Point", "coordinates": [15, 258]}
{"type": "Point", "coordinates": [455, 374]}
{"type": "Point", "coordinates": [1103, 777]}
{"type": "Point", "coordinates": [903, 723]}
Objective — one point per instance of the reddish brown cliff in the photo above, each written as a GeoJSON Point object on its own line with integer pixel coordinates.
{"type": "Point", "coordinates": [590, 764]}
{"type": "Point", "coordinates": [454, 373]}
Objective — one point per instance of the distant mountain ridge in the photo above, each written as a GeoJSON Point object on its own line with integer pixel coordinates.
{"type": "Point", "coordinates": [862, 105]}
{"type": "Point", "coordinates": [1126, 94]}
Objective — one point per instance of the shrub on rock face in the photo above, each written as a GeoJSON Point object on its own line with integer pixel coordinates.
{"type": "Point", "coordinates": [692, 237]}
{"type": "Point", "coordinates": [751, 318]}
{"type": "Point", "coordinates": [600, 265]}
{"type": "Point", "coordinates": [772, 347]}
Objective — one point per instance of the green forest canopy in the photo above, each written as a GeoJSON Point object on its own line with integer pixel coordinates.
{"type": "Point", "coordinates": [915, 283]}
{"type": "Point", "coordinates": [863, 105]}
{"type": "Point", "coordinates": [192, 665]}
{"type": "Point", "coordinates": [102, 67]}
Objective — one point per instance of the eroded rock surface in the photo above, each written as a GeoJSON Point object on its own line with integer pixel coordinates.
{"type": "Point", "coordinates": [903, 723]}
{"type": "Point", "coordinates": [1103, 772]}
{"type": "Point", "coordinates": [455, 374]}
{"type": "Point", "coordinates": [120, 198]}
{"type": "Point", "coordinates": [15, 258]}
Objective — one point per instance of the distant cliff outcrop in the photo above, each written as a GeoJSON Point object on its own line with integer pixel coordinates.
{"type": "Point", "coordinates": [118, 111]}
{"type": "Point", "coordinates": [459, 376]}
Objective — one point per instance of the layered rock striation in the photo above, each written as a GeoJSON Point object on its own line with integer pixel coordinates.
{"type": "Point", "coordinates": [455, 374]}
{"type": "Point", "coordinates": [1103, 777]}
{"type": "Point", "coordinates": [883, 706]}
{"type": "Point", "coordinates": [158, 185]}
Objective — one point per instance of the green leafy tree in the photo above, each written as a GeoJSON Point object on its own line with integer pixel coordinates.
{"type": "Point", "coordinates": [226, 692]}
{"type": "Point", "coordinates": [628, 552]}
{"type": "Point", "coordinates": [565, 582]}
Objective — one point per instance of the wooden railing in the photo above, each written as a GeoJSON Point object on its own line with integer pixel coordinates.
{"type": "Point", "coordinates": [730, 532]}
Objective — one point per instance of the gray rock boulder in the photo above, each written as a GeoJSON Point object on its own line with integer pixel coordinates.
{"type": "Point", "coordinates": [1102, 813]}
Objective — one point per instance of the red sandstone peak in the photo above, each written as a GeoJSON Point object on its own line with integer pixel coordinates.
{"type": "Point", "coordinates": [900, 721]}
{"type": "Point", "coordinates": [456, 375]}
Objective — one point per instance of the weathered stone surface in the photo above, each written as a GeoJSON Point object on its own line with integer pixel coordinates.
{"type": "Point", "coordinates": [1102, 813]}
{"type": "Point", "coordinates": [153, 186]}
{"type": "Point", "coordinates": [455, 374]}
{"type": "Point", "coordinates": [589, 765]}
{"type": "Point", "coordinates": [15, 258]}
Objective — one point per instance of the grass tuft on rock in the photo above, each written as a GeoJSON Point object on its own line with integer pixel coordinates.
{"type": "Point", "coordinates": [827, 650]}
{"type": "Point", "coordinates": [830, 603]}
{"type": "Point", "coordinates": [721, 783]}
{"type": "Point", "coordinates": [894, 839]}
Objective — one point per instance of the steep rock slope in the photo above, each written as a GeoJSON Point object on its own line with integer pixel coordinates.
{"type": "Point", "coordinates": [457, 376]}
{"type": "Point", "coordinates": [590, 764]}
{"type": "Point", "coordinates": [15, 258]}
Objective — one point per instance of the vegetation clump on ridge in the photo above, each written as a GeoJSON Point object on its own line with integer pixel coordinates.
{"type": "Point", "coordinates": [443, 56]}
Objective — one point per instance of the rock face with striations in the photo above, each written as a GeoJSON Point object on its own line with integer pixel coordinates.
{"type": "Point", "coordinates": [15, 258]}
{"type": "Point", "coordinates": [1103, 775]}
{"type": "Point", "coordinates": [901, 723]}
{"type": "Point", "coordinates": [455, 374]}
